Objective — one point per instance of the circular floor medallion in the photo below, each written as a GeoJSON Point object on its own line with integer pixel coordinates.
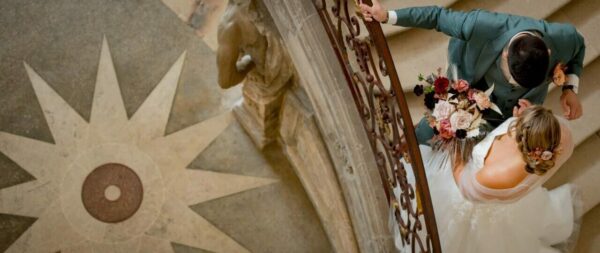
{"type": "Point", "coordinates": [112, 193]}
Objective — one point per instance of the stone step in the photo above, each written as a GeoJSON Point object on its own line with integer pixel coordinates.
{"type": "Point", "coordinates": [589, 236]}
{"type": "Point", "coordinates": [411, 57]}
{"type": "Point", "coordinates": [583, 169]}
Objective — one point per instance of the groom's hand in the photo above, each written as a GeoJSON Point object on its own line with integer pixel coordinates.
{"type": "Point", "coordinates": [570, 104]}
{"type": "Point", "coordinates": [376, 12]}
{"type": "Point", "coordinates": [522, 105]}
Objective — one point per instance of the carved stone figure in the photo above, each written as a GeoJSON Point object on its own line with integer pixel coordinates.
{"type": "Point", "coordinates": [250, 51]}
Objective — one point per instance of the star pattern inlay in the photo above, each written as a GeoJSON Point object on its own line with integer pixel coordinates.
{"type": "Point", "coordinates": [139, 142]}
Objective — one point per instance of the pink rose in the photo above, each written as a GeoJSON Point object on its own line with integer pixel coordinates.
{"type": "Point", "coordinates": [445, 129]}
{"type": "Point", "coordinates": [460, 120]}
{"type": "Point", "coordinates": [471, 93]}
{"type": "Point", "coordinates": [482, 100]}
{"type": "Point", "coordinates": [442, 110]}
{"type": "Point", "coordinates": [461, 85]}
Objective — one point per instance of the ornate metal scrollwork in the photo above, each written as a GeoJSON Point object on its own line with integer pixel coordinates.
{"type": "Point", "coordinates": [365, 59]}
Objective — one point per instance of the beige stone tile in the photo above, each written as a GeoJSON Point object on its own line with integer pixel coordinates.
{"type": "Point", "coordinates": [34, 156]}
{"type": "Point", "coordinates": [49, 233]}
{"type": "Point", "coordinates": [207, 185]}
{"type": "Point", "coordinates": [180, 224]}
{"type": "Point", "coordinates": [211, 22]}
{"type": "Point", "coordinates": [108, 111]}
{"type": "Point", "coordinates": [64, 122]}
{"type": "Point", "coordinates": [154, 245]}
{"type": "Point", "coordinates": [81, 248]}
{"type": "Point", "coordinates": [177, 150]}
{"type": "Point", "coordinates": [30, 199]}
{"type": "Point", "coordinates": [183, 8]}
{"type": "Point", "coordinates": [130, 246]}
{"type": "Point", "coordinates": [150, 120]}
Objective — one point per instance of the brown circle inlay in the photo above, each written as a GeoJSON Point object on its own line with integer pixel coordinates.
{"type": "Point", "coordinates": [125, 205]}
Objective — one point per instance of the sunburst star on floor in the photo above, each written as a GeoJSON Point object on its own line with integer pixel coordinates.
{"type": "Point", "coordinates": [55, 197]}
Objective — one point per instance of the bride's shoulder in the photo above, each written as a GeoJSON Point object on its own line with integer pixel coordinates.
{"type": "Point", "coordinates": [566, 138]}
{"type": "Point", "coordinates": [505, 168]}
{"type": "Point", "coordinates": [511, 176]}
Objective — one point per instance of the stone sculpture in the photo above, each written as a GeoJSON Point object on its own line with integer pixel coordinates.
{"type": "Point", "coordinates": [251, 52]}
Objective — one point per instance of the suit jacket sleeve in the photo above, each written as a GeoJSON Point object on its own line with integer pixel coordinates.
{"type": "Point", "coordinates": [456, 24]}
{"type": "Point", "coordinates": [575, 65]}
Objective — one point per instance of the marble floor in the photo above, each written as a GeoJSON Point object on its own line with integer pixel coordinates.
{"type": "Point", "coordinates": [115, 137]}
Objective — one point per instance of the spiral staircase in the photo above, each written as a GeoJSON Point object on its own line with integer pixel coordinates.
{"type": "Point", "coordinates": [136, 73]}
{"type": "Point", "coordinates": [416, 51]}
{"type": "Point", "coordinates": [583, 168]}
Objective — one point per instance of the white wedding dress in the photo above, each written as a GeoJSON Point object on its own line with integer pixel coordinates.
{"type": "Point", "coordinates": [474, 219]}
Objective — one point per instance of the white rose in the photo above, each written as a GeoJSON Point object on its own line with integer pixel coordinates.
{"type": "Point", "coordinates": [473, 133]}
{"type": "Point", "coordinates": [460, 120]}
{"type": "Point", "coordinates": [442, 110]}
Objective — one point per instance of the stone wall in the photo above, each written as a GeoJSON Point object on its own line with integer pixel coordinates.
{"type": "Point", "coordinates": [319, 74]}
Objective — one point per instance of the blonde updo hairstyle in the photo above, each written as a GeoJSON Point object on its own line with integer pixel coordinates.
{"type": "Point", "coordinates": [537, 128]}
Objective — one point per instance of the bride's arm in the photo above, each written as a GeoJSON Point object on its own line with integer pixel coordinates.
{"type": "Point", "coordinates": [457, 172]}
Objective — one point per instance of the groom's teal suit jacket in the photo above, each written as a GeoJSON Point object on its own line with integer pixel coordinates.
{"type": "Point", "coordinates": [478, 39]}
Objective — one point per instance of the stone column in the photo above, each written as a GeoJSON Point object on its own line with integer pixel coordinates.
{"type": "Point", "coordinates": [251, 52]}
{"type": "Point", "coordinates": [259, 111]}
{"type": "Point", "coordinates": [303, 145]}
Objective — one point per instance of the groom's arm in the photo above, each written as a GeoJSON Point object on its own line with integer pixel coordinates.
{"type": "Point", "coordinates": [456, 24]}
{"type": "Point", "coordinates": [575, 65]}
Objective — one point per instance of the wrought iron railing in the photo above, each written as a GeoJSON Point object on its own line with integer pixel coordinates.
{"type": "Point", "coordinates": [365, 59]}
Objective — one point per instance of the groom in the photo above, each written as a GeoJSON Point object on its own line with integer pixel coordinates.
{"type": "Point", "coordinates": [517, 54]}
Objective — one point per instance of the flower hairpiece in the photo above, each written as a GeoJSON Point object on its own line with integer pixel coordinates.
{"type": "Point", "coordinates": [539, 154]}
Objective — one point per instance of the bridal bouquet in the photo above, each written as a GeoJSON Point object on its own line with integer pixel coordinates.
{"type": "Point", "coordinates": [454, 112]}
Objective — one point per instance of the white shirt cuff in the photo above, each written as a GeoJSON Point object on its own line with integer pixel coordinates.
{"type": "Point", "coordinates": [573, 79]}
{"type": "Point", "coordinates": [392, 18]}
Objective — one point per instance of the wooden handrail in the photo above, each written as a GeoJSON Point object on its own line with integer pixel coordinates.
{"type": "Point", "coordinates": [386, 119]}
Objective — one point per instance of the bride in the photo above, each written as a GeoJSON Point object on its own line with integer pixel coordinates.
{"type": "Point", "coordinates": [496, 202]}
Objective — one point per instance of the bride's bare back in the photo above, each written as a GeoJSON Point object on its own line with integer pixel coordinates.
{"type": "Point", "coordinates": [504, 167]}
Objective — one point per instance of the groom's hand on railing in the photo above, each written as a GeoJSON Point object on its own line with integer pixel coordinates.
{"type": "Point", "coordinates": [570, 104]}
{"type": "Point", "coordinates": [376, 12]}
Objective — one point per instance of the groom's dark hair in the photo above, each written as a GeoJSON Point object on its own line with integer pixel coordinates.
{"type": "Point", "coordinates": [528, 60]}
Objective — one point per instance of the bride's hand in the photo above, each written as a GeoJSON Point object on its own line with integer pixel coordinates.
{"type": "Point", "coordinates": [522, 105]}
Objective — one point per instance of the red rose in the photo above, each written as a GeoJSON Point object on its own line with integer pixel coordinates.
{"type": "Point", "coordinates": [441, 85]}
